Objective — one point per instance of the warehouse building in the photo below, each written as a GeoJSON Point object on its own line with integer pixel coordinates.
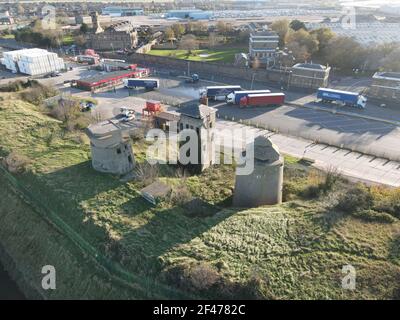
{"type": "Point", "coordinates": [194, 14]}
{"type": "Point", "coordinates": [122, 11]}
{"type": "Point", "coordinates": [309, 75]}
{"type": "Point", "coordinates": [385, 86]}
{"type": "Point", "coordinates": [103, 81]}
{"type": "Point", "coordinates": [32, 61]}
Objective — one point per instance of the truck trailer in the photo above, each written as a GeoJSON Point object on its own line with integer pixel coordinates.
{"type": "Point", "coordinates": [262, 99]}
{"type": "Point", "coordinates": [352, 99]}
{"type": "Point", "coordinates": [234, 97]}
{"type": "Point", "coordinates": [219, 92]}
{"type": "Point", "coordinates": [148, 84]}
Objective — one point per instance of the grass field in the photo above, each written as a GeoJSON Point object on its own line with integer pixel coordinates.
{"type": "Point", "coordinates": [68, 40]}
{"type": "Point", "coordinates": [226, 55]}
{"type": "Point", "coordinates": [295, 250]}
{"type": "Point", "coordinates": [7, 36]}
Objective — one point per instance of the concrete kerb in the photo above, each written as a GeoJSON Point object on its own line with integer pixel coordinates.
{"type": "Point", "coordinates": [383, 156]}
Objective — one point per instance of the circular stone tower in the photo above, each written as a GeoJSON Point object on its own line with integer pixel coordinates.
{"type": "Point", "coordinates": [263, 186]}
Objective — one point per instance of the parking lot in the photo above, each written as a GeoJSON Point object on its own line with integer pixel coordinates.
{"type": "Point", "coordinates": [354, 133]}
{"type": "Point", "coordinates": [368, 136]}
{"type": "Point", "coordinates": [319, 129]}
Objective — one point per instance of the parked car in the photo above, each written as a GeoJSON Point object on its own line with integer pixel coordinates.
{"type": "Point", "coordinates": [127, 114]}
{"type": "Point", "coordinates": [87, 106]}
{"type": "Point", "coordinates": [55, 74]}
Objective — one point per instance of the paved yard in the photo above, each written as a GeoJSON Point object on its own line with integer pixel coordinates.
{"type": "Point", "coordinates": [319, 124]}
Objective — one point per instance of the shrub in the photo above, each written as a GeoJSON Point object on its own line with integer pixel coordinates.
{"type": "Point", "coordinates": [146, 173]}
{"type": "Point", "coordinates": [199, 208]}
{"type": "Point", "coordinates": [202, 276]}
{"type": "Point", "coordinates": [65, 111]}
{"type": "Point", "coordinates": [355, 199]}
{"type": "Point", "coordinates": [16, 163]}
{"type": "Point", "coordinates": [311, 191]}
{"type": "Point", "coordinates": [14, 86]}
{"type": "Point", "coordinates": [374, 216]}
{"type": "Point", "coordinates": [37, 92]}
{"type": "Point", "coordinates": [331, 178]}
{"type": "Point", "coordinates": [204, 279]}
{"type": "Point", "coordinates": [180, 194]}
{"type": "Point", "coordinates": [320, 183]}
{"type": "Point", "coordinates": [290, 190]}
{"type": "Point", "coordinates": [387, 200]}
{"type": "Point", "coordinates": [79, 123]}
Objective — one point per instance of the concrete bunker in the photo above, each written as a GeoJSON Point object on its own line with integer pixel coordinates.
{"type": "Point", "coordinates": [264, 185]}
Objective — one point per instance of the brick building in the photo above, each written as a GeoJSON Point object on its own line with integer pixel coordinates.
{"type": "Point", "coordinates": [263, 45]}
{"type": "Point", "coordinates": [309, 75]}
{"type": "Point", "coordinates": [118, 36]}
{"type": "Point", "coordinates": [385, 86]}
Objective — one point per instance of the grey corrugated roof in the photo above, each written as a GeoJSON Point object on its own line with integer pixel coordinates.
{"type": "Point", "coordinates": [310, 66]}
{"type": "Point", "coordinates": [389, 75]}
{"type": "Point", "coordinates": [198, 111]}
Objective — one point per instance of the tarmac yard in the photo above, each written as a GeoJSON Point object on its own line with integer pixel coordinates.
{"type": "Point", "coordinates": [367, 136]}
{"type": "Point", "coordinates": [350, 132]}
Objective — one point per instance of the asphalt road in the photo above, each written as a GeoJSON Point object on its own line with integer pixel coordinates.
{"type": "Point", "coordinates": [367, 136]}
{"type": "Point", "coordinates": [353, 133]}
{"type": "Point", "coordinates": [354, 165]}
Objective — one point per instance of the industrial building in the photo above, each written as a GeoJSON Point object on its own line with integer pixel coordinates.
{"type": "Point", "coordinates": [122, 11]}
{"type": "Point", "coordinates": [385, 86]}
{"type": "Point", "coordinates": [118, 36]}
{"type": "Point", "coordinates": [309, 75]}
{"type": "Point", "coordinates": [194, 14]}
{"type": "Point", "coordinates": [106, 81]}
{"type": "Point", "coordinates": [32, 61]}
{"type": "Point", "coordinates": [263, 45]}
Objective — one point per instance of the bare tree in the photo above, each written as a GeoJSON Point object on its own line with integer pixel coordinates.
{"type": "Point", "coordinates": [212, 40]}
{"type": "Point", "coordinates": [80, 40]}
{"type": "Point", "coordinates": [179, 29]}
{"type": "Point", "coordinates": [256, 63]}
{"type": "Point", "coordinates": [169, 34]}
{"type": "Point", "coordinates": [189, 43]}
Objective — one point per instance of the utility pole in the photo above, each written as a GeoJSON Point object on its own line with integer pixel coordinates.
{"type": "Point", "coordinates": [252, 80]}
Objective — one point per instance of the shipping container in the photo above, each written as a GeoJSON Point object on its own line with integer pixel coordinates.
{"type": "Point", "coordinates": [219, 92]}
{"type": "Point", "coordinates": [234, 97]}
{"type": "Point", "coordinates": [353, 99]}
{"type": "Point", "coordinates": [149, 84]}
{"type": "Point", "coordinates": [264, 99]}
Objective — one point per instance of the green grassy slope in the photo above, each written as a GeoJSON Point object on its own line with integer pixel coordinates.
{"type": "Point", "coordinates": [297, 250]}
